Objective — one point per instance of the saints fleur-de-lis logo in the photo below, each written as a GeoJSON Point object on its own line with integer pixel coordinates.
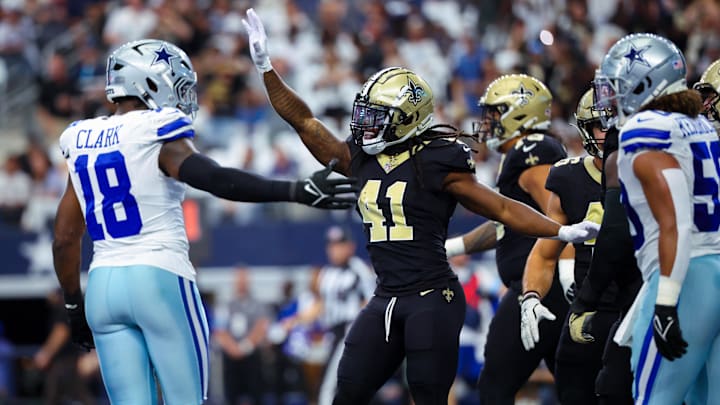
{"type": "Point", "coordinates": [414, 92]}
{"type": "Point", "coordinates": [448, 294]}
{"type": "Point", "coordinates": [523, 93]}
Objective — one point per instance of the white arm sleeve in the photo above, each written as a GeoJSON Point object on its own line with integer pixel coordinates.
{"type": "Point", "coordinates": [679, 191]}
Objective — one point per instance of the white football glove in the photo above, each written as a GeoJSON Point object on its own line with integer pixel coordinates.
{"type": "Point", "coordinates": [531, 313]}
{"type": "Point", "coordinates": [577, 233]}
{"type": "Point", "coordinates": [257, 41]}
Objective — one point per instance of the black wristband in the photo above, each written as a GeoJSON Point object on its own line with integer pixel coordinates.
{"type": "Point", "coordinates": [529, 294]}
{"type": "Point", "coordinates": [75, 298]}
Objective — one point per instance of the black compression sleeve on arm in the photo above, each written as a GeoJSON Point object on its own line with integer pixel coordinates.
{"type": "Point", "coordinates": [205, 174]}
{"type": "Point", "coordinates": [613, 252]}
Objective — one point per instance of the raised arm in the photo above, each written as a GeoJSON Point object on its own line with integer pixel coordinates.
{"type": "Point", "coordinates": [319, 140]}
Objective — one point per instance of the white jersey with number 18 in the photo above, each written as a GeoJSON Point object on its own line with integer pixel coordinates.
{"type": "Point", "coordinates": [132, 209]}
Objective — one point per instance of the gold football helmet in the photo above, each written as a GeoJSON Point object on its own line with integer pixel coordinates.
{"type": "Point", "coordinates": [512, 105]}
{"type": "Point", "coordinates": [588, 117]}
{"type": "Point", "coordinates": [709, 88]}
{"type": "Point", "coordinates": [393, 105]}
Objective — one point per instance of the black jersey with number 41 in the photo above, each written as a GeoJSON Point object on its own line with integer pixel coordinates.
{"type": "Point", "coordinates": [406, 213]}
{"type": "Point", "coordinates": [513, 247]}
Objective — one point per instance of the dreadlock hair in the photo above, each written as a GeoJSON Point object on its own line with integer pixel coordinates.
{"type": "Point", "coordinates": [688, 102]}
{"type": "Point", "coordinates": [445, 132]}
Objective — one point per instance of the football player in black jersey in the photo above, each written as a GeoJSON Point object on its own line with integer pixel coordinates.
{"type": "Point", "coordinates": [575, 185]}
{"type": "Point", "coordinates": [708, 86]}
{"type": "Point", "coordinates": [515, 121]}
{"type": "Point", "coordinates": [412, 176]}
{"type": "Point", "coordinates": [613, 266]}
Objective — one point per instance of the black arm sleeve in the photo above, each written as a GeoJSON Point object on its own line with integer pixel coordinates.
{"type": "Point", "coordinates": [613, 255]}
{"type": "Point", "coordinates": [205, 174]}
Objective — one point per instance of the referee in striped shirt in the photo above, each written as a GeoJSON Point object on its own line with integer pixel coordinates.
{"type": "Point", "coordinates": [345, 284]}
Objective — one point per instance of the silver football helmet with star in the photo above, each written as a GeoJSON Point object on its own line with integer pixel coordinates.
{"type": "Point", "coordinates": [157, 72]}
{"type": "Point", "coordinates": [637, 69]}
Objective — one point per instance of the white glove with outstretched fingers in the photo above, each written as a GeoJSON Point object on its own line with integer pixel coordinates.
{"type": "Point", "coordinates": [257, 41]}
{"type": "Point", "coordinates": [578, 233]}
{"type": "Point", "coordinates": [532, 311]}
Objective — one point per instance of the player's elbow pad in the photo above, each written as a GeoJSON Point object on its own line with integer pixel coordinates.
{"type": "Point", "coordinates": [205, 174]}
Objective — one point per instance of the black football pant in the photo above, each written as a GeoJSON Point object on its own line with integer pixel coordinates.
{"type": "Point", "coordinates": [424, 329]}
{"type": "Point", "coordinates": [577, 364]}
{"type": "Point", "coordinates": [614, 382]}
{"type": "Point", "coordinates": [507, 364]}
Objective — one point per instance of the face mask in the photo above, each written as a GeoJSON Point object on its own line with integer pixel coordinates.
{"type": "Point", "coordinates": [374, 148]}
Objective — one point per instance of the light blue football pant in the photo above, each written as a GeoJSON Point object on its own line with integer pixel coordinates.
{"type": "Point", "coordinates": [659, 381]}
{"type": "Point", "coordinates": [148, 322]}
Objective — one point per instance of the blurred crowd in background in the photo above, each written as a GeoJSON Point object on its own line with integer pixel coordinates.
{"type": "Point", "coordinates": [53, 52]}
{"type": "Point", "coordinates": [52, 72]}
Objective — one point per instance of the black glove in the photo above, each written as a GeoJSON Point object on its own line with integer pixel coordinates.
{"type": "Point", "coordinates": [667, 334]}
{"type": "Point", "coordinates": [79, 329]}
{"type": "Point", "coordinates": [321, 192]}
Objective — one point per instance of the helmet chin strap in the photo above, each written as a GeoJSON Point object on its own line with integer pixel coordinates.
{"type": "Point", "coordinates": [495, 144]}
{"type": "Point", "coordinates": [379, 146]}
{"type": "Point", "coordinates": [374, 148]}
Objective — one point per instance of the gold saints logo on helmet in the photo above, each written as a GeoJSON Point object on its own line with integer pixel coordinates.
{"type": "Point", "coordinates": [523, 93]}
{"type": "Point", "coordinates": [414, 92]}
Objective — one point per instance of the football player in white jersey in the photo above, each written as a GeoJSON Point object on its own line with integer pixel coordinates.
{"type": "Point", "coordinates": [126, 187]}
{"type": "Point", "coordinates": [669, 171]}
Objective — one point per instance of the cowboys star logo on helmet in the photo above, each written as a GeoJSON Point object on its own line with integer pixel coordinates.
{"type": "Point", "coordinates": [162, 55]}
{"type": "Point", "coordinates": [636, 56]}
{"type": "Point", "coordinates": [415, 93]}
